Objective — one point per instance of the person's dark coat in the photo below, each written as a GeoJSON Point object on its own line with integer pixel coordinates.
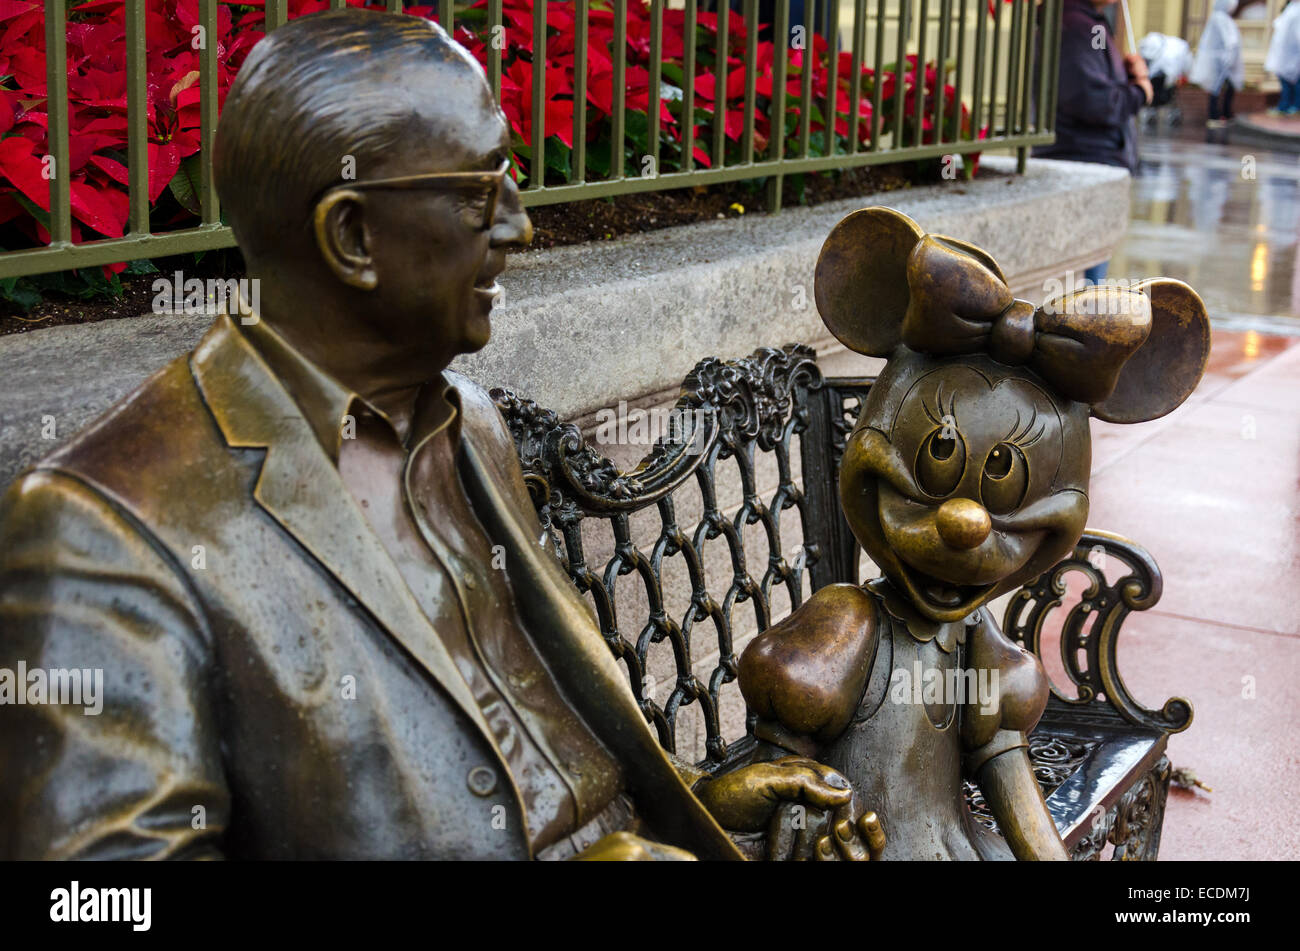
{"type": "Point", "coordinates": [1097, 103]}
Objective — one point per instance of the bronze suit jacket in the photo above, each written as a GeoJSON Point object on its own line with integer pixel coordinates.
{"type": "Point", "coordinates": [271, 689]}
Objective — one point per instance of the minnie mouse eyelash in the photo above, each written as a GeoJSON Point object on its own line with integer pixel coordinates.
{"type": "Point", "coordinates": [944, 419]}
{"type": "Point", "coordinates": [1016, 435]}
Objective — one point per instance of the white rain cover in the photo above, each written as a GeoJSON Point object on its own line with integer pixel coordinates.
{"type": "Point", "coordinates": [1167, 56]}
{"type": "Point", "coordinates": [1283, 59]}
{"type": "Point", "coordinates": [1218, 56]}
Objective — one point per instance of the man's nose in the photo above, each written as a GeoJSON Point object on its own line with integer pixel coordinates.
{"type": "Point", "coordinates": [511, 226]}
{"type": "Point", "coordinates": [963, 523]}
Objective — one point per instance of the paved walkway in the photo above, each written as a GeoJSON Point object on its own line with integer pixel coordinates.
{"type": "Point", "coordinates": [1270, 131]}
{"type": "Point", "coordinates": [1213, 492]}
{"type": "Point", "coordinates": [1225, 219]}
{"type": "Point", "coordinates": [1272, 122]}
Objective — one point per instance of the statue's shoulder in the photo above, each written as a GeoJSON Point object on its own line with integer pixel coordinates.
{"type": "Point", "coordinates": [483, 425]}
{"type": "Point", "coordinates": [1020, 684]}
{"type": "Point", "coordinates": [142, 456]}
{"type": "Point", "coordinates": [474, 398]}
{"type": "Point", "coordinates": [159, 427]}
{"type": "Point", "coordinates": [809, 671]}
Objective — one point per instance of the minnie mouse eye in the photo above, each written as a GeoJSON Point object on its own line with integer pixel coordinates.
{"type": "Point", "coordinates": [941, 462]}
{"type": "Point", "coordinates": [1005, 478]}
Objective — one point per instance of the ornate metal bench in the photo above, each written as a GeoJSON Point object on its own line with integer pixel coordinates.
{"type": "Point", "coordinates": [1099, 755]}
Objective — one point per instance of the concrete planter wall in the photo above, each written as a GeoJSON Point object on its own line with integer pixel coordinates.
{"type": "Point", "coordinates": [581, 326]}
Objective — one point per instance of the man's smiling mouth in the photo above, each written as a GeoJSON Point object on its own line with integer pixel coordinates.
{"type": "Point", "coordinates": [487, 289]}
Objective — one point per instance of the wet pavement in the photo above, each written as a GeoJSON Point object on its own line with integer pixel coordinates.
{"type": "Point", "coordinates": [1213, 492]}
{"type": "Point", "coordinates": [1224, 219]}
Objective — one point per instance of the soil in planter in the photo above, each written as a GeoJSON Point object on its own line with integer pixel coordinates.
{"type": "Point", "coordinates": [602, 219]}
{"type": "Point", "coordinates": [553, 226]}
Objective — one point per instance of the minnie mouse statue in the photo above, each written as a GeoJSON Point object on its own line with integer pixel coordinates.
{"type": "Point", "coordinates": [965, 477]}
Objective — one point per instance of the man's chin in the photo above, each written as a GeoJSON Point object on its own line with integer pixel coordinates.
{"type": "Point", "coordinates": [478, 331]}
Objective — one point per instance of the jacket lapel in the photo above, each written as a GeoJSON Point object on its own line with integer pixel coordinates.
{"type": "Point", "coordinates": [304, 493]}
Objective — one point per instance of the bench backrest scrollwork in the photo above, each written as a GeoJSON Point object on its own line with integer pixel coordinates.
{"type": "Point", "coordinates": [730, 414]}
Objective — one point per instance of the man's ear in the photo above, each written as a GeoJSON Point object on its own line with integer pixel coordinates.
{"type": "Point", "coordinates": [1166, 368]}
{"type": "Point", "coordinates": [861, 287]}
{"type": "Point", "coordinates": [343, 239]}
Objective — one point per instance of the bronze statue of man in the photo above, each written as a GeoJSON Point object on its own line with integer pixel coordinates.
{"type": "Point", "coordinates": [303, 555]}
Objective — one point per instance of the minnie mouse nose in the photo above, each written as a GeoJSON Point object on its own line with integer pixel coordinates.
{"type": "Point", "coordinates": [962, 523]}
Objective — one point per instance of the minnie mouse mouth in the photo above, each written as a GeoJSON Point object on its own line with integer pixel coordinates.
{"type": "Point", "coordinates": [943, 594]}
{"type": "Point", "coordinates": [940, 595]}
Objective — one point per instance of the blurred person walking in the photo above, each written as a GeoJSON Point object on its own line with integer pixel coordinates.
{"type": "Point", "coordinates": [1283, 59]}
{"type": "Point", "coordinates": [1169, 60]}
{"type": "Point", "coordinates": [1219, 68]}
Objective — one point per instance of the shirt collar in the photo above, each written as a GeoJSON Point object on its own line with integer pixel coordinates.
{"type": "Point", "coordinates": [326, 403]}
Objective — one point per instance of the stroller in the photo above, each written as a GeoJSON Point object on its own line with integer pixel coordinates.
{"type": "Point", "coordinates": [1169, 60]}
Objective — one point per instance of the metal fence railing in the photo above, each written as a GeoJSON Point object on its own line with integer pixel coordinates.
{"type": "Point", "coordinates": [739, 96]}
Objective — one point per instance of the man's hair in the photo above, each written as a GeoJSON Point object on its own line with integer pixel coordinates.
{"type": "Point", "coordinates": [312, 96]}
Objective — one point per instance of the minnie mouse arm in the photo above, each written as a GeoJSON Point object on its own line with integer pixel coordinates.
{"type": "Point", "coordinates": [994, 730]}
{"type": "Point", "coordinates": [804, 676]}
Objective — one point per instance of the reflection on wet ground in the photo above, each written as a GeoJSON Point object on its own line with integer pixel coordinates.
{"type": "Point", "coordinates": [1224, 219]}
{"type": "Point", "coordinates": [1211, 492]}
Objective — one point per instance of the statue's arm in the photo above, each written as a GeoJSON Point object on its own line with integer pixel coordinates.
{"type": "Point", "coordinates": [135, 770]}
{"type": "Point", "coordinates": [995, 727]}
{"type": "Point", "coordinates": [804, 676]}
{"type": "Point", "coordinates": [1016, 801]}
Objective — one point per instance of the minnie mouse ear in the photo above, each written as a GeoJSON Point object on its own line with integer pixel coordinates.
{"type": "Point", "coordinates": [1166, 368]}
{"type": "Point", "coordinates": [861, 287]}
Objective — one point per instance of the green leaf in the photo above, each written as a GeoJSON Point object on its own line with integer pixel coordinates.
{"type": "Point", "coordinates": [636, 126]}
{"type": "Point", "coordinates": [795, 185]}
{"type": "Point", "coordinates": [21, 292]}
{"type": "Point", "coordinates": [185, 186]}
{"type": "Point", "coordinates": [598, 159]}
{"type": "Point", "coordinates": [93, 284]}
{"type": "Point", "coordinates": [558, 157]}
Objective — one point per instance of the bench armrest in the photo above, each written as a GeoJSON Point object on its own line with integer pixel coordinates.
{"type": "Point", "coordinates": [1137, 587]}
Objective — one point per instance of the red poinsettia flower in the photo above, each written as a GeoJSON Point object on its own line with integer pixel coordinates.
{"type": "Point", "coordinates": [517, 101]}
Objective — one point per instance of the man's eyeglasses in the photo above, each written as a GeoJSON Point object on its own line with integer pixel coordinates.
{"type": "Point", "coordinates": [490, 182]}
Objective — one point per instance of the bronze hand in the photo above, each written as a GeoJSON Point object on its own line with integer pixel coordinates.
{"type": "Point", "coordinates": [805, 807]}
